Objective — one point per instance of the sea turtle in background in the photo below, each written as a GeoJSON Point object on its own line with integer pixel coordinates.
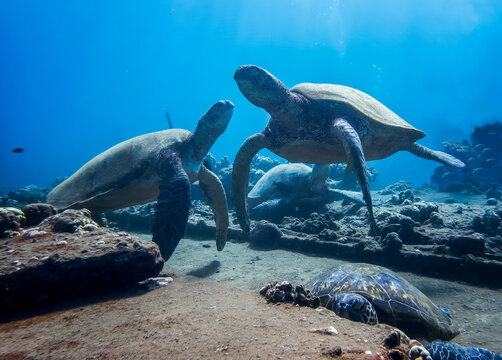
{"type": "Point", "coordinates": [322, 124]}
{"type": "Point", "coordinates": [373, 294]}
{"type": "Point", "coordinates": [157, 166]}
{"type": "Point", "coordinates": [287, 186]}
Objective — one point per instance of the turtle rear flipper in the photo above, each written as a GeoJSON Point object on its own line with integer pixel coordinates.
{"type": "Point", "coordinates": [215, 194]}
{"type": "Point", "coordinates": [439, 156]}
{"type": "Point", "coordinates": [351, 196]}
{"type": "Point", "coordinates": [173, 204]}
{"type": "Point", "coordinates": [354, 150]}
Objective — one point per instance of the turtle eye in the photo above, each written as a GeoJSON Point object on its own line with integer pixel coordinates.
{"type": "Point", "coordinates": [358, 305]}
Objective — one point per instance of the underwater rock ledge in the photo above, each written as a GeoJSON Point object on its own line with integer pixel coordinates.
{"type": "Point", "coordinates": [68, 256]}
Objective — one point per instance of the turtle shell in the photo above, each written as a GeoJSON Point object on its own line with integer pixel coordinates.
{"type": "Point", "coordinates": [395, 300]}
{"type": "Point", "coordinates": [381, 130]}
{"type": "Point", "coordinates": [122, 176]}
{"type": "Point", "coordinates": [293, 176]}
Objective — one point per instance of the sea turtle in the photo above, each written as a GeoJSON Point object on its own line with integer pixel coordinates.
{"type": "Point", "coordinates": [445, 350]}
{"type": "Point", "coordinates": [324, 124]}
{"type": "Point", "coordinates": [288, 186]}
{"type": "Point", "coordinates": [159, 165]}
{"type": "Point", "coordinates": [373, 294]}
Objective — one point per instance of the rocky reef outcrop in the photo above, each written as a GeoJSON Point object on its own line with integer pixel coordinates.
{"type": "Point", "coordinates": [450, 240]}
{"type": "Point", "coordinates": [24, 196]}
{"type": "Point", "coordinates": [482, 156]}
{"type": "Point", "coordinates": [67, 256]}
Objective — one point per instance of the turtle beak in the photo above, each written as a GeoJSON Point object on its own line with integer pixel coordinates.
{"type": "Point", "coordinates": [247, 73]}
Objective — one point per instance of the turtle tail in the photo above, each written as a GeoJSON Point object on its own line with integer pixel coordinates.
{"type": "Point", "coordinates": [439, 156]}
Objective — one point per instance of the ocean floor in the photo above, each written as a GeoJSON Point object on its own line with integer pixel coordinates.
{"type": "Point", "coordinates": [212, 310]}
{"type": "Point", "coordinates": [478, 310]}
{"type": "Point", "coordinates": [190, 318]}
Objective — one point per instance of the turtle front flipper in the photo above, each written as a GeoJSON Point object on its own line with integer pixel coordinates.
{"type": "Point", "coordinates": [240, 176]}
{"type": "Point", "coordinates": [273, 210]}
{"type": "Point", "coordinates": [215, 194]}
{"type": "Point", "coordinates": [439, 156]}
{"type": "Point", "coordinates": [173, 204]}
{"type": "Point", "coordinates": [354, 150]}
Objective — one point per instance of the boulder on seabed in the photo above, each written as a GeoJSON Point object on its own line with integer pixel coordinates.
{"type": "Point", "coordinates": [70, 256]}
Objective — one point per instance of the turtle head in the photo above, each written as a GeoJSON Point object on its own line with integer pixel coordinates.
{"type": "Point", "coordinates": [448, 328]}
{"type": "Point", "coordinates": [355, 307]}
{"type": "Point", "coordinates": [211, 125]}
{"type": "Point", "coordinates": [261, 88]}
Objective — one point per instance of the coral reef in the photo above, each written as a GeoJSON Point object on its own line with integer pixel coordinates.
{"type": "Point", "coordinates": [483, 164]}
{"type": "Point", "coordinates": [277, 292]}
{"type": "Point", "coordinates": [27, 195]}
{"type": "Point", "coordinates": [36, 213]}
{"type": "Point", "coordinates": [265, 235]}
{"type": "Point", "coordinates": [11, 221]}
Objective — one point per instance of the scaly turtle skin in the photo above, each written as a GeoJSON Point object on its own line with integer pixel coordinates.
{"type": "Point", "coordinates": [322, 124]}
{"type": "Point", "coordinates": [159, 165]}
{"type": "Point", "coordinates": [293, 185]}
{"type": "Point", "coordinates": [444, 350]}
{"type": "Point", "coordinates": [373, 294]}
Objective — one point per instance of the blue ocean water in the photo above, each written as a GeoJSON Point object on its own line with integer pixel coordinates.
{"type": "Point", "coordinates": [77, 77]}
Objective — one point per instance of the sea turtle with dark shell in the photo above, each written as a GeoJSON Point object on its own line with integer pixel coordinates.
{"type": "Point", "coordinates": [373, 294]}
{"type": "Point", "coordinates": [322, 124]}
{"type": "Point", "coordinates": [445, 350]}
{"type": "Point", "coordinates": [156, 166]}
{"type": "Point", "coordinates": [294, 185]}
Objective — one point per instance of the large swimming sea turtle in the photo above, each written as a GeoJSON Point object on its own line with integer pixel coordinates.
{"type": "Point", "coordinates": [293, 185]}
{"type": "Point", "coordinates": [157, 166]}
{"type": "Point", "coordinates": [322, 124]}
{"type": "Point", "coordinates": [373, 294]}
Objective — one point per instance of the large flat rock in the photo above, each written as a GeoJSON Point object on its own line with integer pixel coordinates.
{"type": "Point", "coordinates": [69, 256]}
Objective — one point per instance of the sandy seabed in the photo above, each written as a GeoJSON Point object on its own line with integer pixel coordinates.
{"type": "Point", "coordinates": [477, 310]}
{"type": "Point", "coordinates": [212, 309]}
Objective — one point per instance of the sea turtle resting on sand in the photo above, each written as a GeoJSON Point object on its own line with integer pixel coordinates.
{"type": "Point", "coordinates": [288, 186]}
{"type": "Point", "coordinates": [157, 166]}
{"type": "Point", "coordinates": [322, 124]}
{"type": "Point", "coordinates": [372, 294]}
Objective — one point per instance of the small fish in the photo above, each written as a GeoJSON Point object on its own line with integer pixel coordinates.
{"type": "Point", "coordinates": [18, 150]}
{"type": "Point", "coordinates": [168, 117]}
